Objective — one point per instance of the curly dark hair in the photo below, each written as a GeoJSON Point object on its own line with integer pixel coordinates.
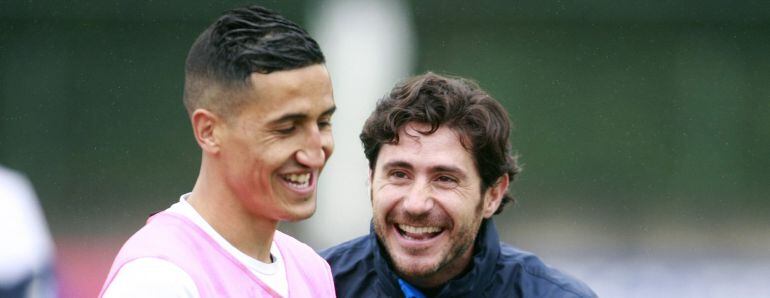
{"type": "Point", "coordinates": [241, 42]}
{"type": "Point", "coordinates": [457, 103]}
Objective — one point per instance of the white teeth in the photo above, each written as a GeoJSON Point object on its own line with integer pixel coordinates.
{"type": "Point", "coordinates": [301, 179]}
{"type": "Point", "coordinates": [418, 230]}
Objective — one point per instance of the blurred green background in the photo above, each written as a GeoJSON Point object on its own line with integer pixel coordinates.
{"type": "Point", "coordinates": [634, 120]}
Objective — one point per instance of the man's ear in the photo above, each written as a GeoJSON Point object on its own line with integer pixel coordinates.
{"type": "Point", "coordinates": [204, 124]}
{"type": "Point", "coordinates": [493, 197]}
{"type": "Point", "coordinates": [371, 199]}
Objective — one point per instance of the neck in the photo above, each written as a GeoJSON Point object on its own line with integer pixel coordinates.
{"type": "Point", "coordinates": [225, 212]}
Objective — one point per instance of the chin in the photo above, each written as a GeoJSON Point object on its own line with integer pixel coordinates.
{"type": "Point", "coordinates": [416, 269]}
{"type": "Point", "coordinates": [298, 213]}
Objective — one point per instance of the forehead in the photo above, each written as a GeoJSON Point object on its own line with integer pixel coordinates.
{"type": "Point", "coordinates": [306, 91]}
{"type": "Point", "coordinates": [441, 148]}
{"type": "Point", "coordinates": [293, 81]}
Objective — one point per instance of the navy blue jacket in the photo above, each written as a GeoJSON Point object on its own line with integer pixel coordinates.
{"type": "Point", "coordinates": [361, 269]}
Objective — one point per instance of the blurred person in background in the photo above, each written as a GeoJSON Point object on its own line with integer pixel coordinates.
{"type": "Point", "coordinates": [260, 102]}
{"type": "Point", "coordinates": [27, 252]}
{"type": "Point", "coordinates": [439, 168]}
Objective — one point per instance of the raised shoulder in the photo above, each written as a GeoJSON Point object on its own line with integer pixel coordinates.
{"type": "Point", "coordinates": [354, 269]}
{"type": "Point", "coordinates": [347, 254]}
{"type": "Point", "coordinates": [535, 278]}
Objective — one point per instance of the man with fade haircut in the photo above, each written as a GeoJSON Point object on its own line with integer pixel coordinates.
{"type": "Point", "coordinates": [260, 102]}
{"type": "Point", "coordinates": [439, 169]}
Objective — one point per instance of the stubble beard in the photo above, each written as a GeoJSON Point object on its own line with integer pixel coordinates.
{"type": "Point", "coordinates": [452, 262]}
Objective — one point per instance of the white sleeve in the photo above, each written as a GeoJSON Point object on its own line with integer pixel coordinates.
{"type": "Point", "coordinates": [151, 277]}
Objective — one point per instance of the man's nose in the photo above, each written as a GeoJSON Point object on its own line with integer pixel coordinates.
{"type": "Point", "coordinates": [315, 151]}
{"type": "Point", "coordinates": [419, 199]}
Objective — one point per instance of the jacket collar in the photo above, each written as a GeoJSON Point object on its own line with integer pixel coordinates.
{"type": "Point", "coordinates": [485, 255]}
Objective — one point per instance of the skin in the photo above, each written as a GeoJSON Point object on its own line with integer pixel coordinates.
{"type": "Point", "coordinates": [252, 161]}
{"type": "Point", "coordinates": [429, 182]}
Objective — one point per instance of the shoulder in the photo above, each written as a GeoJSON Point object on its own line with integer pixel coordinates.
{"type": "Point", "coordinates": [156, 245]}
{"type": "Point", "coordinates": [295, 248]}
{"type": "Point", "coordinates": [347, 253]}
{"type": "Point", "coordinates": [296, 252]}
{"type": "Point", "coordinates": [300, 260]}
{"type": "Point", "coordinates": [164, 235]}
{"type": "Point", "coordinates": [533, 276]}
{"type": "Point", "coordinates": [151, 277]}
{"type": "Point", "coordinates": [353, 267]}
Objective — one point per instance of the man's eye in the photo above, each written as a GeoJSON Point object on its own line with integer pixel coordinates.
{"type": "Point", "coordinates": [446, 179]}
{"type": "Point", "coordinates": [324, 124]}
{"type": "Point", "coordinates": [286, 130]}
{"type": "Point", "coordinates": [398, 174]}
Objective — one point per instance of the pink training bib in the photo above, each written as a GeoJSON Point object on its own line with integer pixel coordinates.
{"type": "Point", "coordinates": [215, 272]}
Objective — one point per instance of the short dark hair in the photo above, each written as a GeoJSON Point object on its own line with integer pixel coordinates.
{"type": "Point", "coordinates": [241, 42]}
{"type": "Point", "coordinates": [457, 103]}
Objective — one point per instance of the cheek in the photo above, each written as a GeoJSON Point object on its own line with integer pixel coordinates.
{"type": "Point", "coordinates": [275, 155]}
{"type": "Point", "coordinates": [384, 200]}
{"type": "Point", "coordinates": [378, 203]}
{"type": "Point", "coordinates": [461, 204]}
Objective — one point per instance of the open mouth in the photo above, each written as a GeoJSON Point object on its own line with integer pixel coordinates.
{"type": "Point", "coordinates": [418, 233]}
{"type": "Point", "coordinates": [297, 181]}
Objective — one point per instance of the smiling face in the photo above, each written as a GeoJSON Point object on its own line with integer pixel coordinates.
{"type": "Point", "coordinates": [272, 152]}
{"type": "Point", "coordinates": [428, 204]}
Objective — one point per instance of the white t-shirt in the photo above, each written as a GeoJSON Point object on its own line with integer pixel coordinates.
{"type": "Point", "coordinates": [154, 277]}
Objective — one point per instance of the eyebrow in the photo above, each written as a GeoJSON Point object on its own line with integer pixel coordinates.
{"type": "Point", "coordinates": [449, 169]}
{"type": "Point", "coordinates": [397, 164]}
{"type": "Point", "coordinates": [436, 169]}
{"type": "Point", "coordinates": [291, 117]}
{"type": "Point", "coordinates": [329, 111]}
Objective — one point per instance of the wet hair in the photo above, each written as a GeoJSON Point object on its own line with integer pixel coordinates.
{"type": "Point", "coordinates": [459, 104]}
{"type": "Point", "coordinates": [241, 42]}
